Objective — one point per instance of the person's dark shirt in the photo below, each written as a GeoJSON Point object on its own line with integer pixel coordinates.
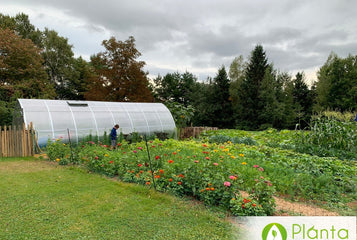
{"type": "Point", "coordinates": [113, 134]}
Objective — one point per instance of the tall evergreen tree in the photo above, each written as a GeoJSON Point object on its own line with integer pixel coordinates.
{"type": "Point", "coordinates": [250, 106]}
{"type": "Point", "coordinates": [302, 100]}
{"type": "Point", "coordinates": [221, 102]}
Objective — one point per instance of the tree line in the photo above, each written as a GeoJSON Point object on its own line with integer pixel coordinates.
{"type": "Point", "coordinates": [251, 95]}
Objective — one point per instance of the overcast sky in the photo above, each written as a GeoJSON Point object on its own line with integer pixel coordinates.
{"type": "Point", "coordinates": [202, 35]}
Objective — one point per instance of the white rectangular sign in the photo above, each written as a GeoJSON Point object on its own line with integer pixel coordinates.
{"type": "Point", "coordinates": [298, 228]}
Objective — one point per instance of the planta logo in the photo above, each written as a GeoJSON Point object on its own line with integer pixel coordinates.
{"type": "Point", "coordinates": [274, 231]}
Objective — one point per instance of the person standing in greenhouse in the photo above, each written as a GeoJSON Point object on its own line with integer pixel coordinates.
{"type": "Point", "coordinates": [113, 136]}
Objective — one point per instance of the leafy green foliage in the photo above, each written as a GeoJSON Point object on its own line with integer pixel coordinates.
{"type": "Point", "coordinates": [181, 114]}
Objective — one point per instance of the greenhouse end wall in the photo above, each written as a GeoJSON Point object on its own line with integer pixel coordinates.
{"type": "Point", "coordinates": [52, 119]}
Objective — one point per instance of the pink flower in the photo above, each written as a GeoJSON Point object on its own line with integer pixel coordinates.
{"type": "Point", "coordinates": [96, 158]}
{"type": "Point", "coordinates": [140, 148]}
{"type": "Point", "coordinates": [261, 169]}
{"type": "Point", "coordinates": [135, 151]}
{"type": "Point", "coordinates": [227, 184]}
{"type": "Point", "coordinates": [255, 166]}
{"type": "Point", "coordinates": [196, 161]}
{"type": "Point", "coordinates": [232, 177]}
{"type": "Point", "coordinates": [216, 164]}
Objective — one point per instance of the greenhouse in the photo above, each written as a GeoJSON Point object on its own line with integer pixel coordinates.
{"type": "Point", "coordinates": [64, 119]}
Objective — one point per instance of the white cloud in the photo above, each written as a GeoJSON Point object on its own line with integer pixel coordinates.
{"type": "Point", "coordinates": [199, 36]}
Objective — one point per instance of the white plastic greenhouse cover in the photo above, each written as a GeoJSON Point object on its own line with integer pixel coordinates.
{"type": "Point", "coordinates": [52, 118]}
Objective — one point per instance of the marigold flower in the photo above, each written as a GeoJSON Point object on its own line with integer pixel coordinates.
{"type": "Point", "coordinates": [212, 188]}
{"type": "Point", "coordinates": [171, 161]}
{"type": "Point", "coordinates": [244, 163]}
{"type": "Point", "coordinates": [207, 189]}
{"type": "Point", "coordinates": [57, 160]}
{"type": "Point", "coordinates": [241, 155]}
{"type": "Point", "coordinates": [209, 184]}
{"type": "Point", "coordinates": [227, 184]}
{"type": "Point", "coordinates": [233, 157]}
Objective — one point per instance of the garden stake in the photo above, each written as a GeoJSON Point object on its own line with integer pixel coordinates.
{"type": "Point", "coordinates": [70, 144]}
{"type": "Point", "coordinates": [152, 172]}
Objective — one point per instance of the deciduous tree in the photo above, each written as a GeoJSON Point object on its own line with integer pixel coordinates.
{"type": "Point", "coordinates": [119, 75]}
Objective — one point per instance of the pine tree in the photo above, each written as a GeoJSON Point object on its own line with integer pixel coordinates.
{"type": "Point", "coordinates": [250, 104]}
{"type": "Point", "coordinates": [222, 105]}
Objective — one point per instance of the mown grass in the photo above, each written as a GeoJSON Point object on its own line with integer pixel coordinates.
{"type": "Point", "coordinates": [40, 200]}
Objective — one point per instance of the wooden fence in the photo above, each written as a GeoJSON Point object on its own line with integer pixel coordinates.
{"type": "Point", "coordinates": [16, 141]}
{"type": "Point", "coordinates": [194, 132]}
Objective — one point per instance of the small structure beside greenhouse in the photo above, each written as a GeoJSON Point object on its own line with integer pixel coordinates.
{"type": "Point", "coordinates": [53, 119]}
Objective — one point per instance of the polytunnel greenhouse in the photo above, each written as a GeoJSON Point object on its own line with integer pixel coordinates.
{"type": "Point", "coordinates": [54, 119]}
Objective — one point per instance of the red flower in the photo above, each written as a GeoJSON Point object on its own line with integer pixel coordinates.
{"type": "Point", "coordinates": [179, 183]}
{"type": "Point", "coordinates": [157, 176]}
{"type": "Point", "coordinates": [170, 180]}
{"type": "Point", "coordinates": [207, 158]}
{"type": "Point", "coordinates": [254, 204]}
{"type": "Point", "coordinates": [147, 183]}
{"type": "Point", "coordinates": [161, 171]}
{"type": "Point", "coordinates": [139, 165]}
{"type": "Point", "coordinates": [110, 162]}
{"type": "Point", "coordinates": [96, 158]}
{"type": "Point", "coordinates": [174, 153]}
{"type": "Point", "coordinates": [181, 176]}
{"type": "Point", "coordinates": [171, 161]}
{"type": "Point", "coordinates": [157, 157]}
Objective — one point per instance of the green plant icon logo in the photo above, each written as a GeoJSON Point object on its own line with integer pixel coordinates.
{"type": "Point", "coordinates": [274, 231]}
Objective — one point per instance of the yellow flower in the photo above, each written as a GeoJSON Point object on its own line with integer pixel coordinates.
{"type": "Point", "coordinates": [241, 154]}
{"type": "Point", "coordinates": [233, 157]}
{"type": "Point", "coordinates": [229, 142]}
{"type": "Point", "coordinates": [215, 150]}
{"type": "Point", "coordinates": [244, 163]}
{"type": "Point", "coordinates": [106, 155]}
{"type": "Point", "coordinates": [57, 160]}
{"type": "Point", "coordinates": [225, 150]}
{"type": "Point", "coordinates": [64, 144]}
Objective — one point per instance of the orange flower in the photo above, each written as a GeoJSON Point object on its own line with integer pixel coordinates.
{"type": "Point", "coordinates": [157, 176]}
{"type": "Point", "coordinates": [147, 183]}
{"type": "Point", "coordinates": [170, 180]}
{"type": "Point", "coordinates": [179, 183]}
{"type": "Point", "coordinates": [171, 161]}
{"type": "Point", "coordinates": [212, 189]}
{"type": "Point", "coordinates": [254, 205]}
{"type": "Point", "coordinates": [202, 190]}
{"type": "Point", "coordinates": [161, 171]}
{"type": "Point", "coordinates": [207, 189]}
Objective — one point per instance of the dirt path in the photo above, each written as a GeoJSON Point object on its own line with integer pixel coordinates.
{"type": "Point", "coordinates": [287, 208]}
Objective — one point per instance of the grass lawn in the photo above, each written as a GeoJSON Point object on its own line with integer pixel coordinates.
{"type": "Point", "coordinates": [41, 200]}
